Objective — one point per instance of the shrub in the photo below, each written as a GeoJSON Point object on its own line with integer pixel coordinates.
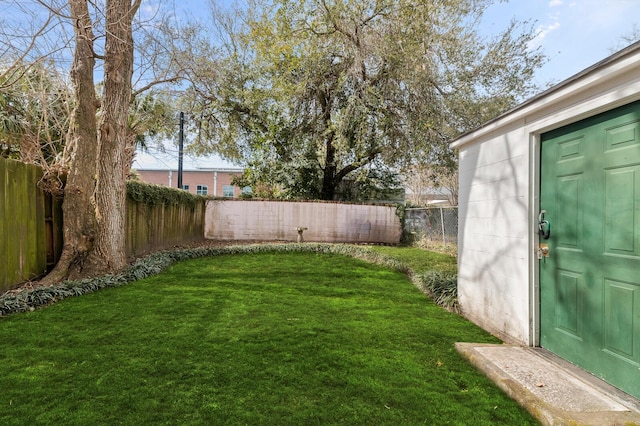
{"type": "Point", "coordinates": [158, 194]}
{"type": "Point", "coordinates": [443, 288]}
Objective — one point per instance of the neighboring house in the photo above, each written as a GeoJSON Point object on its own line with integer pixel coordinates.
{"type": "Point", "coordinates": [572, 152]}
{"type": "Point", "coordinates": [215, 182]}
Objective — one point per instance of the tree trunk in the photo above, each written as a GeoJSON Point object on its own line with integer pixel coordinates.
{"type": "Point", "coordinates": [94, 206]}
{"type": "Point", "coordinates": [329, 172]}
{"type": "Point", "coordinates": [79, 230]}
{"type": "Point", "coordinates": [328, 191]}
{"type": "Point", "coordinates": [109, 253]}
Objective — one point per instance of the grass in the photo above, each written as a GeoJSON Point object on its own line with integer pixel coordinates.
{"type": "Point", "coordinates": [434, 273]}
{"type": "Point", "coordinates": [277, 339]}
{"type": "Point", "coordinates": [420, 260]}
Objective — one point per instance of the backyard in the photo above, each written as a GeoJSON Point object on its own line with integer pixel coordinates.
{"type": "Point", "coordinates": [252, 338]}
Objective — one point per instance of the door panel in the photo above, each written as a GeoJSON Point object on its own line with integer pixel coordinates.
{"type": "Point", "coordinates": [570, 221]}
{"type": "Point", "coordinates": [568, 308]}
{"type": "Point", "coordinates": [621, 207]}
{"type": "Point", "coordinates": [620, 327]}
{"type": "Point", "coordinates": [590, 283]}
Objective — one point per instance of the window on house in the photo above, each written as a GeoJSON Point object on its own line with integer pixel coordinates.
{"type": "Point", "coordinates": [227, 191]}
{"type": "Point", "coordinates": [185, 187]}
{"type": "Point", "coordinates": [201, 189]}
{"type": "Point", "coordinates": [247, 190]}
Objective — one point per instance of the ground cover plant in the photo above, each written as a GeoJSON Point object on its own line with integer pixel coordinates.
{"type": "Point", "coordinates": [433, 273]}
{"type": "Point", "coordinates": [255, 338]}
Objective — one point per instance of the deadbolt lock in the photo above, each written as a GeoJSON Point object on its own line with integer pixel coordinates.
{"type": "Point", "coordinates": [543, 250]}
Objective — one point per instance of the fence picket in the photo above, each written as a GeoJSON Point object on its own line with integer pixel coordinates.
{"type": "Point", "coordinates": [22, 232]}
{"type": "Point", "coordinates": [31, 226]}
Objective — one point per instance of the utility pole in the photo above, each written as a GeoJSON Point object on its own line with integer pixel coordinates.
{"type": "Point", "coordinates": [180, 145]}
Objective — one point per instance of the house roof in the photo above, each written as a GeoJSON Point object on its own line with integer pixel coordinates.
{"type": "Point", "coordinates": [198, 169]}
{"type": "Point", "coordinates": [607, 68]}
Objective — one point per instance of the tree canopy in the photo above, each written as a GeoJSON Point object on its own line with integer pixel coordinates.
{"type": "Point", "coordinates": [309, 94]}
{"type": "Point", "coordinates": [312, 93]}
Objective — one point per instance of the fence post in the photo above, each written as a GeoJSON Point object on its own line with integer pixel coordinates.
{"type": "Point", "coordinates": [444, 238]}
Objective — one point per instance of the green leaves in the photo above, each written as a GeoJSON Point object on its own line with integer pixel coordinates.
{"type": "Point", "coordinates": [35, 105]}
{"type": "Point", "coordinates": [441, 287]}
{"type": "Point", "coordinates": [158, 194]}
{"type": "Point", "coordinates": [150, 115]}
{"type": "Point", "coordinates": [319, 91]}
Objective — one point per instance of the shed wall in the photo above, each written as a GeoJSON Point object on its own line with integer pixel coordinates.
{"type": "Point", "coordinates": [498, 205]}
{"type": "Point", "coordinates": [493, 243]}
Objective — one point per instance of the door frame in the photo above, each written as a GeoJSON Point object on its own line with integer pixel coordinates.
{"type": "Point", "coordinates": [535, 166]}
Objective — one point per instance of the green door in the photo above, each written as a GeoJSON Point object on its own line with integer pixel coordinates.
{"type": "Point", "coordinates": [590, 283]}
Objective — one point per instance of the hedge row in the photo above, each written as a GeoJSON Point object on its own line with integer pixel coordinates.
{"type": "Point", "coordinates": [154, 195]}
{"type": "Point", "coordinates": [28, 300]}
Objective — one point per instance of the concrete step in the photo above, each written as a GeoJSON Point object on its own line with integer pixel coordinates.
{"type": "Point", "coordinates": [551, 389]}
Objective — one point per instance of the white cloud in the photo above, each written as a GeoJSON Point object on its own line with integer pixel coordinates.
{"type": "Point", "coordinates": [547, 29]}
{"type": "Point", "coordinates": [542, 32]}
{"type": "Point", "coordinates": [573, 33]}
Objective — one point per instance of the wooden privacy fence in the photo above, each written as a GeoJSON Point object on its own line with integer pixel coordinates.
{"type": "Point", "coordinates": [153, 227]}
{"type": "Point", "coordinates": [31, 224]}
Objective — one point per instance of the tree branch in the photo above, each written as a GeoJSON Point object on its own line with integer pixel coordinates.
{"type": "Point", "coordinates": [356, 165]}
{"type": "Point", "coordinates": [19, 61]}
{"type": "Point", "coordinates": [155, 83]}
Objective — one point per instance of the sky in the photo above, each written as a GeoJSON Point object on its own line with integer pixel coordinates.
{"type": "Point", "coordinates": [573, 34]}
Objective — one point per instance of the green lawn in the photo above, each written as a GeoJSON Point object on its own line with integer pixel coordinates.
{"type": "Point", "coordinates": [420, 260]}
{"type": "Point", "coordinates": [267, 338]}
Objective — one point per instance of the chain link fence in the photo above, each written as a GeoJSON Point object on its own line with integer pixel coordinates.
{"type": "Point", "coordinates": [434, 228]}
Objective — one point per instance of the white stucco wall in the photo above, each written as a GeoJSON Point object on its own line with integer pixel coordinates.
{"type": "Point", "coordinates": [498, 203]}
{"type": "Point", "coordinates": [277, 220]}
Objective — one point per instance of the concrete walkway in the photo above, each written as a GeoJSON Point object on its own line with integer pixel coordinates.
{"type": "Point", "coordinates": [551, 389]}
